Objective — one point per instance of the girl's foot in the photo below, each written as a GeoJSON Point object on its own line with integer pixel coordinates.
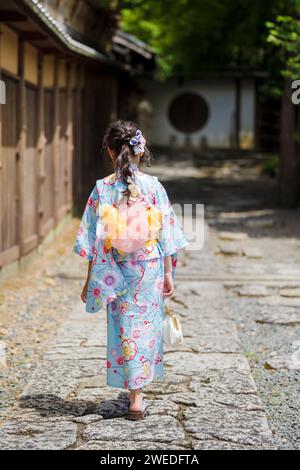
{"type": "Point", "coordinates": [136, 400]}
{"type": "Point", "coordinates": [137, 405]}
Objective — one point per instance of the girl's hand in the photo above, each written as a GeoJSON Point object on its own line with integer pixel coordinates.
{"type": "Point", "coordinates": [168, 285]}
{"type": "Point", "coordinates": [84, 292]}
{"type": "Point", "coordinates": [85, 289]}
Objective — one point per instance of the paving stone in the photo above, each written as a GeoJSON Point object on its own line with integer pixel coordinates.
{"type": "Point", "coordinates": [88, 352]}
{"type": "Point", "coordinates": [234, 236]}
{"type": "Point", "coordinates": [152, 429]}
{"type": "Point", "coordinates": [278, 315]}
{"type": "Point", "coordinates": [287, 269]}
{"type": "Point", "coordinates": [40, 435]}
{"type": "Point", "coordinates": [246, 269]}
{"type": "Point", "coordinates": [277, 301]}
{"type": "Point", "coordinates": [260, 223]}
{"type": "Point", "coordinates": [224, 381]}
{"type": "Point", "coordinates": [249, 402]}
{"type": "Point", "coordinates": [164, 407]}
{"type": "Point", "coordinates": [89, 367]}
{"type": "Point", "coordinates": [60, 377]}
{"type": "Point", "coordinates": [129, 445]}
{"type": "Point", "coordinates": [171, 383]}
{"type": "Point", "coordinates": [217, 343]}
{"type": "Point", "coordinates": [87, 419]}
{"type": "Point", "coordinates": [194, 363]}
{"type": "Point", "coordinates": [229, 249]}
{"type": "Point", "coordinates": [251, 290]}
{"type": "Point", "coordinates": [92, 382]}
{"type": "Point", "coordinates": [50, 379]}
{"type": "Point", "coordinates": [252, 252]}
{"type": "Point", "coordinates": [205, 326]}
{"type": "Point", "coordinates": [229, 424]}
{"type": "Point", "coordinates": [290, 273]}
{"type": "Point", "coordinates": [292, 292]}
{"type": "Point", "coordinates": [288, 361]}
{"type": "Point", "coordinates": [96, 394]}
{"type": "Point", "coordinates": [225, 445]}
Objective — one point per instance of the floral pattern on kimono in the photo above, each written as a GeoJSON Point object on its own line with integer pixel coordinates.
{"type": "Point", "coordinates": [135, 327]}
{"type": "Point", "coordinates": [106, 281]}
{"type": "Point", "coordinates": [130, 285]}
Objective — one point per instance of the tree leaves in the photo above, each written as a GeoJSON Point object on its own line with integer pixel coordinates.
{"type": "Point", "coordinates": [192, 36]}
{"type": "Point", "coordinates": [284, 33]}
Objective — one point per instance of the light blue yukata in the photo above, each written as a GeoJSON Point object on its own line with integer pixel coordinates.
{"type": "Point", "coordinates": [130, 286]}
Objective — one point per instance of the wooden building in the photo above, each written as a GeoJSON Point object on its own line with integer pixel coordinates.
{"type": "Point", "coordinates": [64, 68]}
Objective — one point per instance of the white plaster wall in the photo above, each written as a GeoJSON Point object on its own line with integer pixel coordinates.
{"type": "Point", "coordinates": [247, 114]}
{"type": "Point", "coordinates": [220, 97]}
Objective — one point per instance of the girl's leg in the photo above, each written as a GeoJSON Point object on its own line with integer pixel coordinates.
{"type": "Point", "coordinates": [136, 400]}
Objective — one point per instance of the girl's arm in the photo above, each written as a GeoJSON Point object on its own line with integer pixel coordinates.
{"type": "Point", "coordinates": [86, 285]}
{"type": "Point", "coordinates": [168, 264]}
{"type": "Point", "coordinates": [89, 271]}
{"type": "Point", "coordinates": [168, 278]}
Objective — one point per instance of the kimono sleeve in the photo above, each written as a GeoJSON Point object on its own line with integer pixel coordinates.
{"type": "Point", "coordinates": [171, 236]}
{"type": "Point", "coordinates": [86, 235]}
{"type": "Point", "coordinates": [106, 281]}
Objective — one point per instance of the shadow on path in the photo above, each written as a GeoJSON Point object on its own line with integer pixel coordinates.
{"type": "Point", "coordinates": [52, 406]}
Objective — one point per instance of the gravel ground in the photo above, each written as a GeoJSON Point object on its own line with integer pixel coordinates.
{"type": "Point", "coordinates": [278, 389]}
{"type": "Point", "coordinates": [32, 307]}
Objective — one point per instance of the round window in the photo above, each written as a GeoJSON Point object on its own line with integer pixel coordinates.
{"type": "Point", "coordinates": [188, 112]}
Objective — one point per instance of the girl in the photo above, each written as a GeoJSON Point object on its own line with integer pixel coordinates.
{"type": "Point", "coordinates": [132, 286]}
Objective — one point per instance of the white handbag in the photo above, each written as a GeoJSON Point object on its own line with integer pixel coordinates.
{"type": "Point", "coordinates": [172, 328]}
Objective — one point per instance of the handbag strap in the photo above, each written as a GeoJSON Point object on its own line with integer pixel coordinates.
{"type": "Point", "coordinates": [169, 311]}
{"type": "Point", "coordinates": [167, 307]}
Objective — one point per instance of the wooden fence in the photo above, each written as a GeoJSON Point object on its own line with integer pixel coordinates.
{"type": "Point", "coordinates": [50, 137]}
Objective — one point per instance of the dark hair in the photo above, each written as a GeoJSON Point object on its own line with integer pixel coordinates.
{"type": "Point", "coordinates": [117, 137]}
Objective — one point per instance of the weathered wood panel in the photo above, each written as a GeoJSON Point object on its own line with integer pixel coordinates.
{"type": "Point", "coordinates": [8, 174]}
{"type": "Point", "coordinates": [63, 154]}
{"type": "Point", "coordinates": [48, 202]}
{"type": "Point", "coordinates": [30, 202]}
{"type": "Point", "coordinates": [50, 149]}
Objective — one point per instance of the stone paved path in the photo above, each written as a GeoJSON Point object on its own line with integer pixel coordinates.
{"type": "Point", "coordinates": [208, 399]}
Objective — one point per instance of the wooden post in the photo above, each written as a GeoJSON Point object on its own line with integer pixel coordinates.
{"type": "Point", "coordinates": [114, 98]}
{"type": "Point", "coordinates": [76, 139]}
{"type": "Point", "coordinates": [41, 143]}
{"type": "Point", "coordinates": [21, 148]}
{"type": "Point", "coordinates": [1, 167]}
{"type": "Point", "coordinates": [55, 146]}
{"type": "Point", "coordinates": [79, 134]}
{"type": "Point", "coordinates": [289, 165]}
{"type": "Point", "coordinates": [69, 134]}
{"type": "Point", "coordinates": [257, 124]}
{"type": "Point", "coordinates": [237, 124]}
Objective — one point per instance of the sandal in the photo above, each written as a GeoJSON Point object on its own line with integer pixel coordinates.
{"type": "Point", "coordinates": [136, 415]}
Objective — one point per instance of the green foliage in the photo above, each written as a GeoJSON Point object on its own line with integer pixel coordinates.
{"type": "Point", "coordinates": [270, 165]}
{"type": "Point", "coordinates": [192, 36]}
{"type": "Point", "coordinates": [284, 34]}
{"type": "Point", "coordinates": [297, 137]}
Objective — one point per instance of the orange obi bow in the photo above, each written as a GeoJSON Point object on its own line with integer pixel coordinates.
{"type": "Point", "coordinates": [129, 228]}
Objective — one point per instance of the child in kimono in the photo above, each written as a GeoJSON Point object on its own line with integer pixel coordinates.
{"type": "Point", "coordinates": [132, 286]}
